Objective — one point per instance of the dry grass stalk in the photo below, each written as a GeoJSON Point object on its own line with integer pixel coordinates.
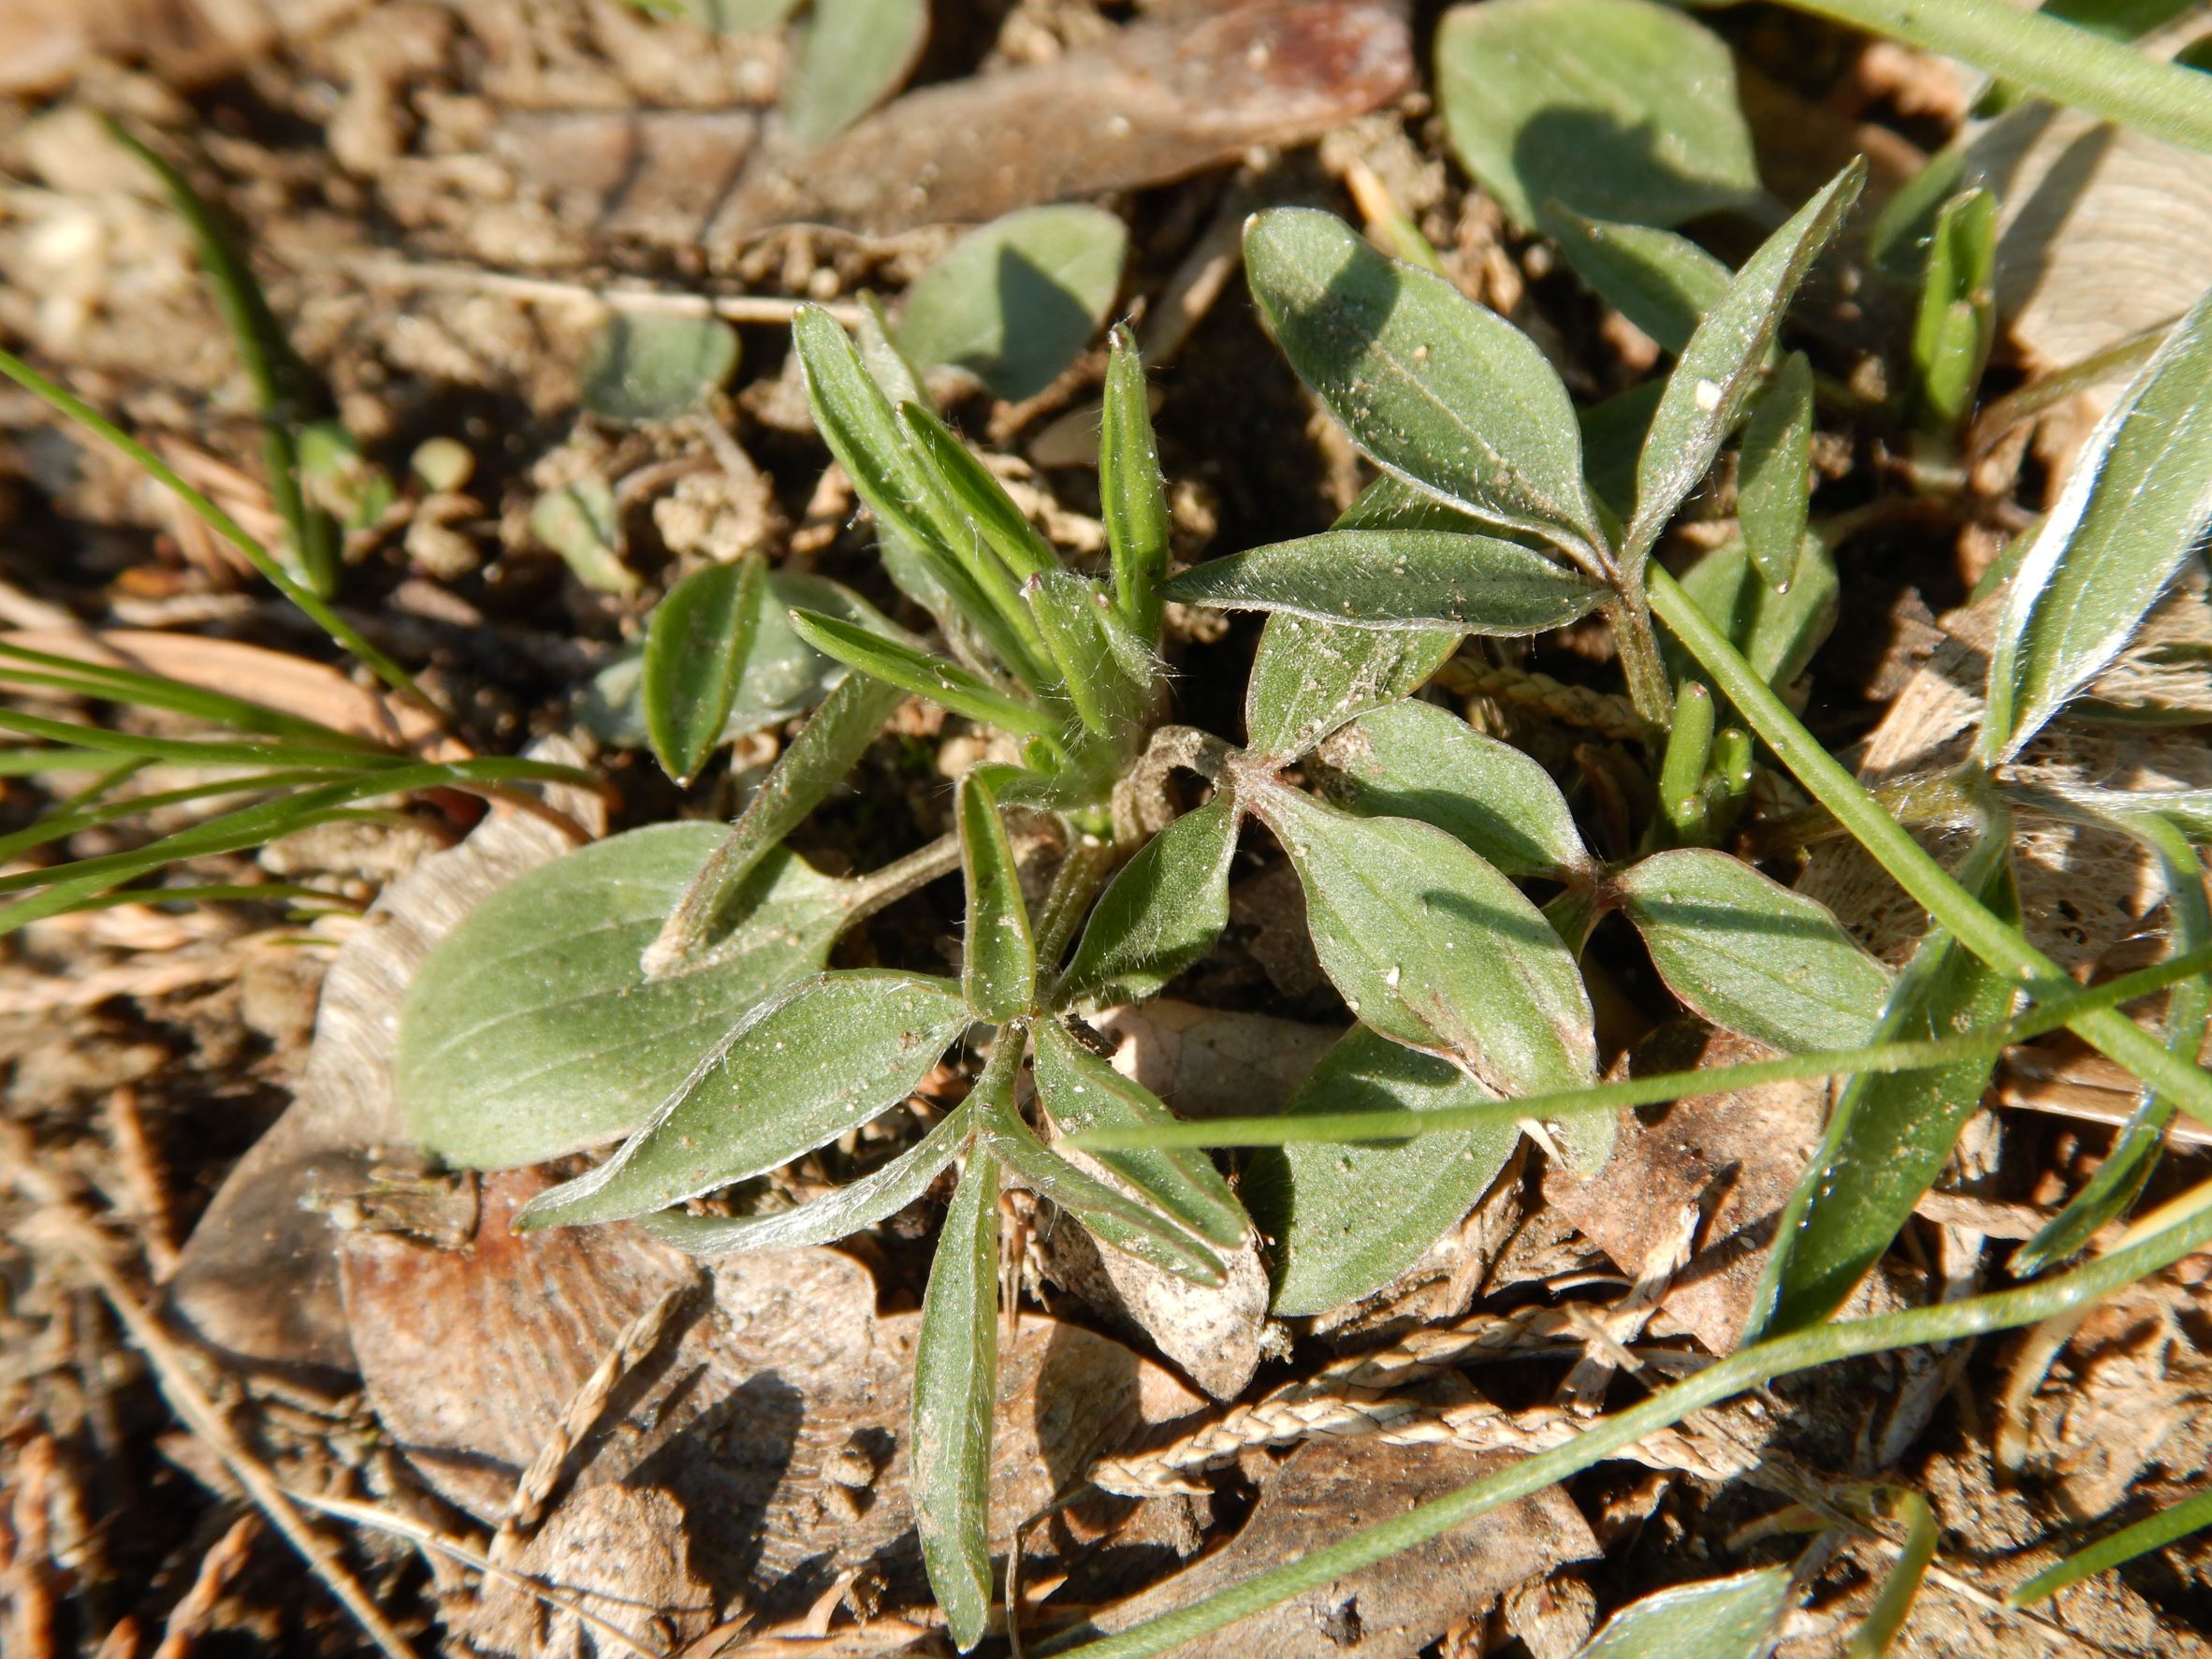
{"type": "Point", "coordinates": [527, 1507]}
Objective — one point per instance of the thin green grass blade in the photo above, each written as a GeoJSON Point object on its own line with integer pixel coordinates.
{"type": "Point", "coordinates": [106, 683]}
{"type": "Point", "coordinates": [2192, 1514]}
{"type": "Point", "coordinates": [341, 633]}
{"type": "Point", "coordinates": [1661, 1087]}
{"type": "Point", "coordinates": [923, 675]}
{"type": "Point", "coordinates": [67, 821]}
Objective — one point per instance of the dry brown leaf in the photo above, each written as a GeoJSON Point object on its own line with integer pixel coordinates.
{"type": "Point", "coordinates": [1735, 1156]}
{"type": "Point", "coordinates": [618, 1552]}
{"type": "Point", "coordinates": [1393, 1609]}
{"type": "Point", "coordinates": [258, 1281]}
{"type": "Point", "coordinates": [1211, 1062]}
{"type": "Point", "coordinates": [1154, 102]}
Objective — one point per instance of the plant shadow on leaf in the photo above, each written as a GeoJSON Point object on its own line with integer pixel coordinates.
{"type": "Point", "coordinates": [1595, 165]}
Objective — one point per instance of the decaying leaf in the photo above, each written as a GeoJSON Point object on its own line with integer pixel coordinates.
{"type": "Point", "coordinates": [1389, 1612]}
{"type": "Point", "coordinates": [619, 1552]}
{"type": "Point", "coordinates": [258, 1282]}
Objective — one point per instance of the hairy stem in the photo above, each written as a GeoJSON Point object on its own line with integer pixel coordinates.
{"type": "Point", "coordinates": [1891, 845]}
{"type": "Point", "coordinates": [871, 893]}
{"type": "Point", "coordinates": [1630, 619]}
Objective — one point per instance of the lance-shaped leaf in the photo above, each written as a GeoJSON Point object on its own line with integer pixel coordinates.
{"type": "Point", "coordinates": [1109, 675]}
{"type": "Point", "coordinates": [1723, 362]}
{"type": "Point", "coordinates": [1398, 578]}
{"type": "Point", "coordinates": [935, 677]}
{"type": "Point", "coordinates": [1309, 677]}
{"type": "Point", "coordinates": [1161, 912]}
{"type": "Point", "coordinates": [1082, 1091]}
{"type": "Point", "coordinates": [1132, 498]}
{"type": "Point", "coordinates": [1343, 1221]}
{"type": "Point", "coordinates": [956, 1400]}
{"type": "Point", "coordinates": [814, 763]}
{"type": "Point", "coordinates": [696, 645]}
{"type": "Point", "coordinates": [875, 1197]}
{"type": "Point", "coordinates": [1750, 955]}
{"type": "Point", "coordinates": [967, 488]}
{"type": "Point", "coordinates": [2137, 503]}
{"type": "Point", "coordinates": [1661, 281]}
{"type": "Point", "coordinates": [997, 955]}
{"type": "Point", "coordinates": [1619, 108]}
{"type": "Point", "coordinates": [531, 1030]}
{"type": "Point", "coordinates": [1415, 760]}
{"type": "Point", "coordinates": [1733, 1618]}
{"type": "Point", "coordinates": [1432, 946]}
{"type": "Point", "coordinates": [1957, 316]}
{"type": "Point", "coordinates": [1126, 1223]}
{"type": "Point", "coordinates": [1774, 487]}
{"type": "Point", "coordinates": [862, 430]}
{"type": "Point", "coordinates": [851, 56]}
{"type": "Point", "coordinates": [822, 1058]}
{"type": "Point", "coordinates": [1437, 391]}
{"type": "Point", "coordinates": [1889, 1134]}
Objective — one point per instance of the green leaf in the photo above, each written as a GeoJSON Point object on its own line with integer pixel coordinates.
{"type": "Point", "coordinates": [1419, 579]}
{"type": "Point", "coordinates": [579, 521]}
{"type": "Point", "coordinates": [851, 56]}
{"type": "Point", "coordinates": [969, 491]}
{"type": "Point", "coordinates": [1129, 1224]}
{"type": "Point", "coordinates": [1439, 391]}
{"type": "Point", "coordinates": [1015, 302]}
{"type": "Point", "coordinates": [1888, 1135]}
{"type": "Point", "coordinates": [956, 1402]}
{"type": "Point", "coordinates": [1414, 760]}
{"type": "Point", "coordinates": [1343, 1221]}
{"type": "Point", "coordinates": [1613, 435]}
{"type": "Point", "coordinates": [641, 369]}
{"type": "Point", "coordinates": [696, 641]}
{"type": "Point", "coordinates": [875, 1197]}
{"type": "Point", "coordinates": [532, 1031]}
{"type": "Point", "coordinates": [1774, 488]}
{"type": "Point", "coordinates": [1956, 320]}
{"type": "Point", "coordinates": [1110, 674]}
{"type": "Point", "coordinates": [940, 561]}
{"type": "Point", "coordinates": [2137, 503]}
{"type": "Point", "coordinates": [1133, 497]}
{"type": "Point", "coordinates": [798, 1072]}
{"type": "Point", "coordinates": [1661, 281]}
{"type": "Point", "coordinates": [1082, 1091]}
{"type": "Point", "coordinates": [1309, 678]}
{"type": "Point", "coordinates": [2154, 1532]}
{"type": "Point", "coordinates": [1777, 629]}
{"type": "Point", "coordinates": [1901, 1586]}
{"type": "Point", "coordinates": [811, 764]}
{"type": "Point", "coordinates": [1733, 1618]}
{"type": "Point", "coordinates": [1432, 946]}
{"type": "Point", "coordinates": [998, 956]}
{"type": "Point", "coordinates": [1750, 955]}
{"type": "Point", "coordinates": [1619, 108]}
{"type": "Point", "coordinates": [1162, 911]}
{"type": "Point", "coordinates": [923, 675]}
{"type": "Point", "coordinates": [1721, 366]}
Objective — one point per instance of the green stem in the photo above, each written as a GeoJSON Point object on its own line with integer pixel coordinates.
{"type": "Point", "coordinates": [1640, 664]}
{"type": "Point", "coordinates": [2005, 949]}
{"type": "Point", "coordinates": [2183, 1226]}
{"type": "Point", "coordinates": [2041, 55]}
{"type": "Point", "coordinates": [866, 895]}
{"type": "Point", "coordinates": [1919, 1055]}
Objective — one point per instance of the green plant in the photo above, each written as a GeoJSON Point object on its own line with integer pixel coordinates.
{"type": "Point", "coordinates": [693, 1020]}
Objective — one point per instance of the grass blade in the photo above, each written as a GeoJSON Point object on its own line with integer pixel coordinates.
{"type": "Point", "coordinates": [311, 605]}
{"type": "Point", "coordinates": [2192, 1514]}
{"type": "Point", "coordinates": [923, 675]}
